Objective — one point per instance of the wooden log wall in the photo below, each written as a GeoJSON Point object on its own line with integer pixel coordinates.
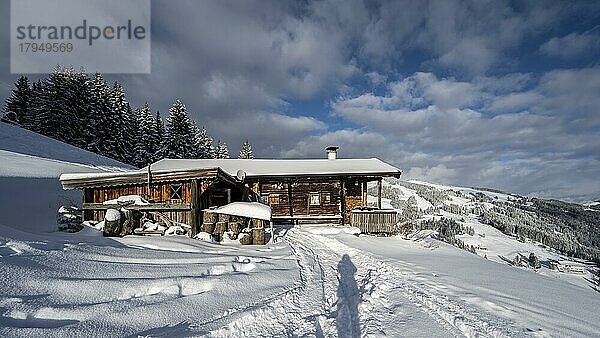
{"type": "Point", "coordinates": [160, 192]}
{"type": "Point", "coordinates": [181, 216]}
{"type": "Point", "coordinates": [329, 198]}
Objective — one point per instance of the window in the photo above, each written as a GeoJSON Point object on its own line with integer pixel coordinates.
{"type": "Point", "coordinates": [176, 191]}
{"type": "Point", "coordinates": [326, 197]}
{"type": "Point", "coordinates": [314, 198]}
{"type": "Point", "coordinates": [273, 199]}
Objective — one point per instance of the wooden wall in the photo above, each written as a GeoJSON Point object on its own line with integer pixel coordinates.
{"type": "Point", "coordinates": [301, 190]}
{"type": "Point", "coordinates": [160, 193]}
{"type": "Point", "coordinates": [182, 216]}
{"type": "Point", "coordinates": [328, 191]}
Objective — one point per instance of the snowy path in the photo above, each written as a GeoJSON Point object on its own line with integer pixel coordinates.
{"type": "Point", "coordinates": [346, 292]}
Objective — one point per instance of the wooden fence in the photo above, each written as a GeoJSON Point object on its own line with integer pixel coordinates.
{"type": "Point", "coordinates": [379, 221]}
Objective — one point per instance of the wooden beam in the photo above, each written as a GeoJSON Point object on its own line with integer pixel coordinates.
{"type": "Point", "coordinates": [379, 188]}
{"type": "Point", "coordinates": [153, 206]}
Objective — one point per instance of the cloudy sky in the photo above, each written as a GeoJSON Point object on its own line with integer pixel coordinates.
{"type": "Point", "coordinates": [501, 94]}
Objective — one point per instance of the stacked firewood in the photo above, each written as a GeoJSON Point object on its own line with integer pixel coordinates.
{"type": "Point", "coordinates": [245, 230]}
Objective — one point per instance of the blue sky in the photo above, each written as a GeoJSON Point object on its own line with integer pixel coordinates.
{"type": "Point", "coordinates": [502, 94]}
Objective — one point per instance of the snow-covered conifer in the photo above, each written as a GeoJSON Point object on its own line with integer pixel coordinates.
{"type": "Point", "coordinates": [246, 151]}
{"type": "Point", "coordinates": [101, 133]}
{"type": "Point", "coordinates": [16, 107]}
{"type": "Point", "coordinates": [31, 119]}
{"type": "Point", "coordinates": [147, 141]}
{"type": "Point", "coordinates": [159, 127]}
{"type": "Point", "coordinates": [222, 151]}
{"type": "Point", "coordinates": [204, 144]}
{"type": "Point", "coordinates": [49, 107]}
{"type": "Point", "coordinates": [119, 124]}
{"type": "Point", "coordinates": [180, 133]}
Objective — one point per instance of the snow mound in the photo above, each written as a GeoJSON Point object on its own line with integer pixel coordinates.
{"type": "Point", "coordinates": [205, 236]}
{"type": "Point", "coordinates": [245, 209]}
{"type": "Point", "coordinates": [112, 215]}
{"type": "Point", "coordinates": [128, 200]}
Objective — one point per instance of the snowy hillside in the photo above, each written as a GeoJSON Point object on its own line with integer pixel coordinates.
{"type": "Point", "coordinates": [24, 142]}
{"type": "Point", "coordinates": [315, 281]}
{"type": "Point", "coordinates": [30, 165]}
{"type": "Point", "coordinates": [500, 226]}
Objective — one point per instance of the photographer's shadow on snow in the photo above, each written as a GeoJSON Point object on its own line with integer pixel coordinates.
{"type": "Point", "coordinates": [347, 320]}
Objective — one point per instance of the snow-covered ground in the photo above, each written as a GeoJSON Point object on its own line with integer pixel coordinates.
{"type": "Point", "coordinates": [319, 281]}
{"type": "Point", "coordinates": [316, 281]}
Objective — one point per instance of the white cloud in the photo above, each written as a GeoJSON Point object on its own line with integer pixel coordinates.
{"type": "Point", "coordinates": [574, 44]}
{"type": "Point", "coordinates": [489, 136]}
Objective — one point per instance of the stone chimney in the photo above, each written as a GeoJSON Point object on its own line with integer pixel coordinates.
{"type": "Point", "coordinates": [332, 152]}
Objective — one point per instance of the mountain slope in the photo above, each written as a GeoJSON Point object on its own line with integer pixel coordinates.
{"type": "Point", "coordinates": [500, 226]}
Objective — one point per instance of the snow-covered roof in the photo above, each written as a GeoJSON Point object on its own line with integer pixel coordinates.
{"type": "Point", "coordinates": [228, 168]}
{"type": "Point", "coordinates": [269, 167]}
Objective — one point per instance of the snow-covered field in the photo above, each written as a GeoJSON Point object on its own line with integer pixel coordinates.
{"type": "Point", "coordinates": [315, 281]}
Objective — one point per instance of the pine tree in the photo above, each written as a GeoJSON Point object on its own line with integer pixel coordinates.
{"type": "Point", "coordinates": [180, 133]}
{"type": "Point", "coordinates": [120, 124]}
{"type": "Point", "coordinates": [203, 144]}
{"type": "Point", "coordinates": [246, 152]}
{"type": "Point", "coordinates": [100, 134]}
{"type": "Point", "coordinates": [17, 106]}
{"type": "Point", "coordinates": [159, 126]}
{"type": "Point", "coordinates": [48, 108]}
{"type": "Point", "coordinates": [132, 134]}
{"type": "Point", "coordinates": [59, 106]}
{"type": "Point", "coordinates": [222, 151]}
{"type": "Point", "coordinates": [31, 119]}
{"type": "Point", "coordinates": [76, 106]}
{"type": "Point", "coordinates": [147, 141]}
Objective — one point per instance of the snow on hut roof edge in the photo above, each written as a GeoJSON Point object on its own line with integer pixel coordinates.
{"type": "Point", "coordinates": [282, 167]}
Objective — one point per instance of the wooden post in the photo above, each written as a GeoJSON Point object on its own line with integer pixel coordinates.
{"type": "Point", "coordinates": [195, 208]}
{"type": "Point", "coordinates": [149, 183]}
{"type": "Point", "coordinates": [379, 193]}
{"type": "Point", "coordinates": [364, 193]}
{"type": "Point", "coordinates": [343, 199]}
{"type": "Point", "coordinates": [83, 201]}
{"type": "Point", "coordinates": [290, 202]}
